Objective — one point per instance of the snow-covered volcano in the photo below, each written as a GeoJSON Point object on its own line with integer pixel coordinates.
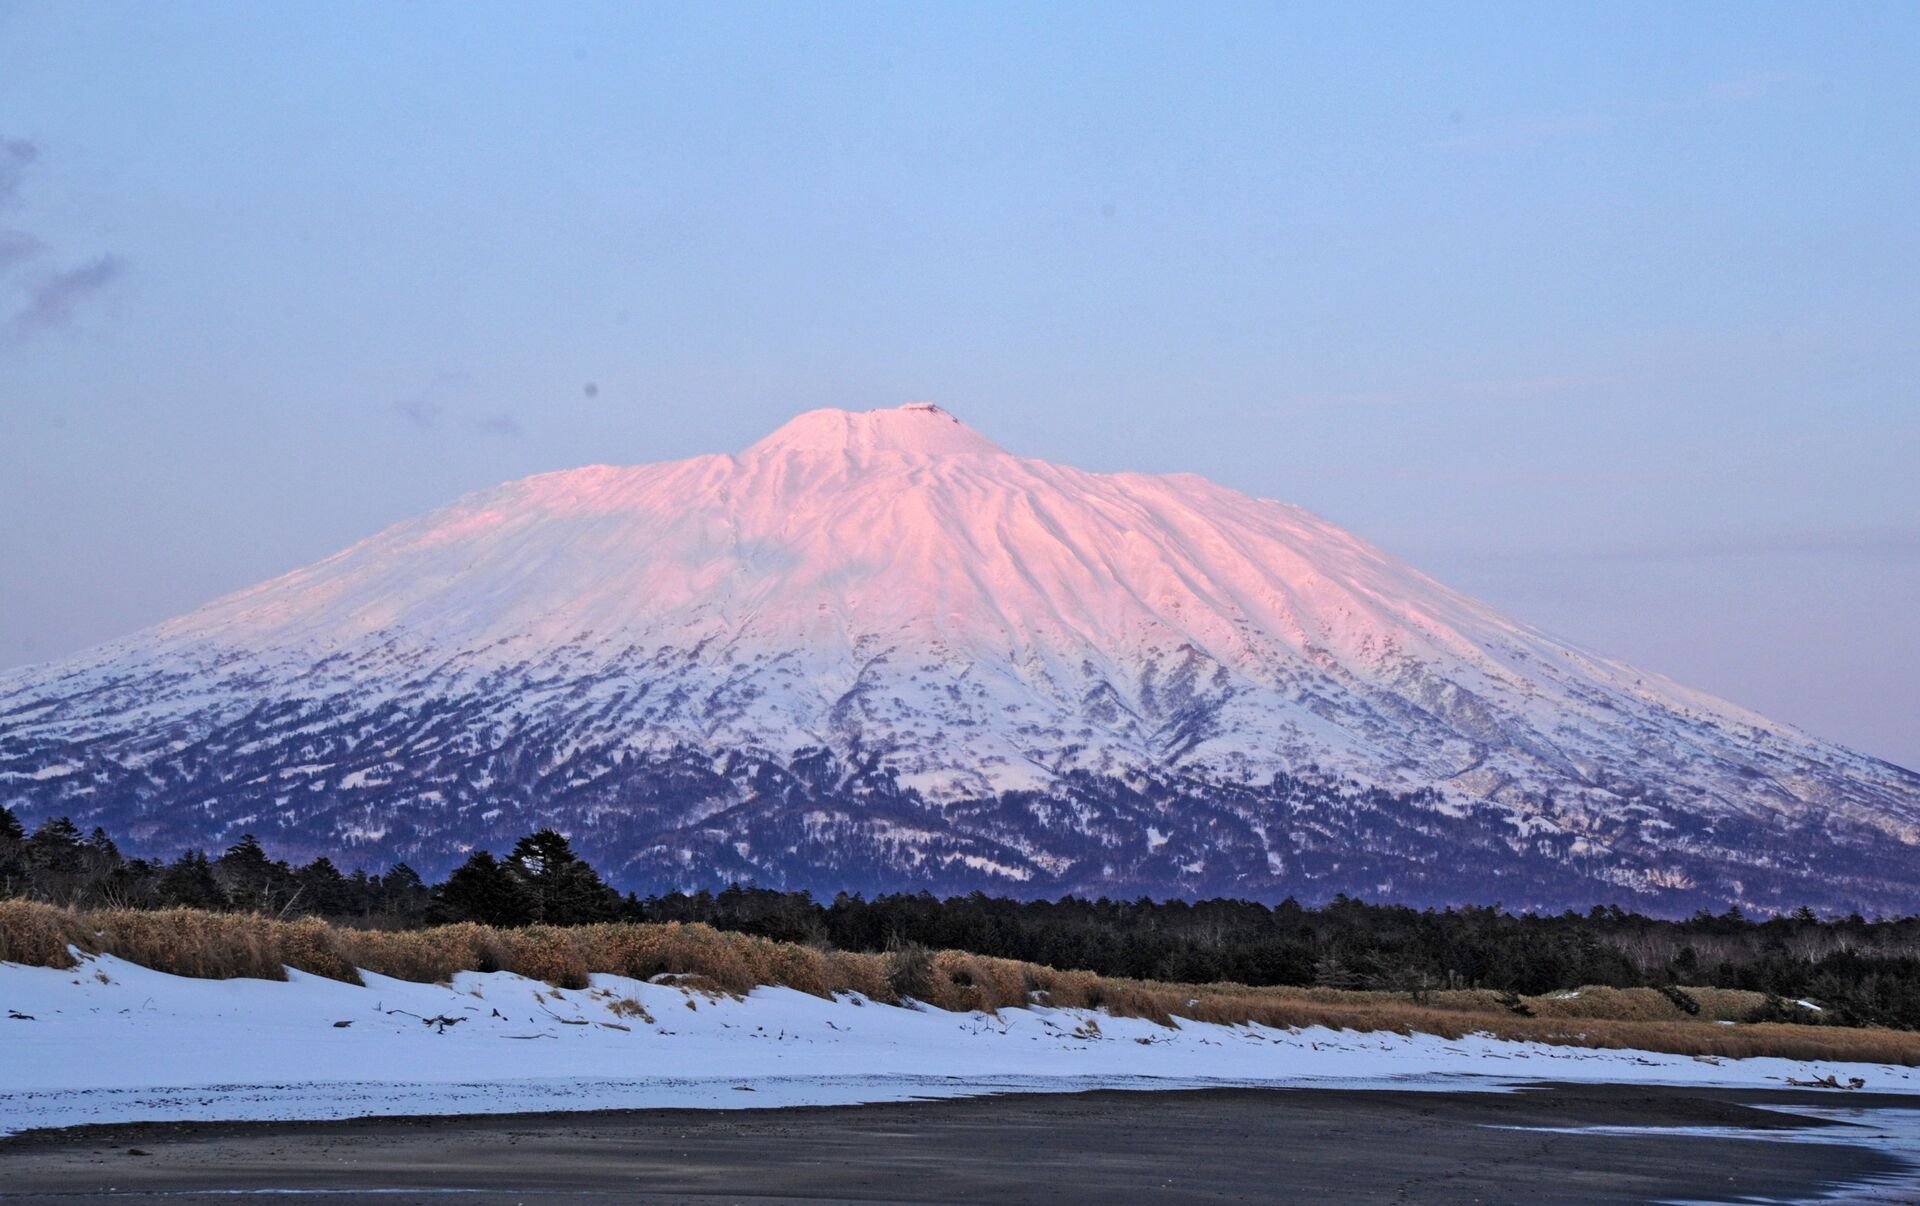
{"type": "Point", "coordinates": [875, 649]}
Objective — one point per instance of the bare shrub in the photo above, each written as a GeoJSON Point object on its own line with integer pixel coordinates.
{"type": "Point", "coordinates": [966, 981]}
{"type": "Point", "coordinates": [910, 972]}
{"type": "Point", "coordinates": [1682, 1000]}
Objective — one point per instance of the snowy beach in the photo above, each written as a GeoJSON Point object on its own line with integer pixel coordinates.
{"type": "Point", "coordinates": [110, 1042]}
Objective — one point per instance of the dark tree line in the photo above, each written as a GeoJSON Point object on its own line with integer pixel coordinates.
{"type": "Point", "coordinates": [1862, 972]}
{"type": "Point", "coordinates": [540, 881]}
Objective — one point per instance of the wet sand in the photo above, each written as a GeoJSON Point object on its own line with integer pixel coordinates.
{"type": "Point", "coordinates": [1265, 1145]}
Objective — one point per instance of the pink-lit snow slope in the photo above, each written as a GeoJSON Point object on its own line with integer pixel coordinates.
{"type": "Point", "coordinates": [893, 583]}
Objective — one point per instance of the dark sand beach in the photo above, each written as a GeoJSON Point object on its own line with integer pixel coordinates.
{"type": "Point", "coordinates": [1304, 1145]}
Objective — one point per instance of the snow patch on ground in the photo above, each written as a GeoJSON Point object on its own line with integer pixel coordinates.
{"type": "Point", "coordinates": [109, 1041]}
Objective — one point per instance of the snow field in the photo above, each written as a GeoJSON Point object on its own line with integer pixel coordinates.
{"type": "Point", "coordinates": [109, 1041]}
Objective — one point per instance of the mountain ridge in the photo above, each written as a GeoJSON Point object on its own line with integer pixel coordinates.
{"type": "Point", "coordinates": [950, 624]}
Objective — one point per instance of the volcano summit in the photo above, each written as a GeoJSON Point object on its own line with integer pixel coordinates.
{"type": "Point", "coordinates": [876, 651]}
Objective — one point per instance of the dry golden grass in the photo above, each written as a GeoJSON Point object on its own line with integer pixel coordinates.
{"type": "Point", "coordinates": [1588, 1001]}
{"type": "Point", "coordinates": [38, 935]}
{"type": "Point", "coordinates": [627, 1007]}
{"type": "Point", "coordinates": [225, 945]}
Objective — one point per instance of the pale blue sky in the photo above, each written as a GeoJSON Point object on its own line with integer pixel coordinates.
{"type": "Point", "coordinates": [1609, 317]}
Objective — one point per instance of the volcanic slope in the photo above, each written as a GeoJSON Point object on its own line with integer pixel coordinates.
{"type": "Point", "coordinates": [876, 651]}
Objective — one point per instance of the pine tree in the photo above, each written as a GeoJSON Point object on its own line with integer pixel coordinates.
{"type": "Point", "coordinates": [189, 882]}
{"type": "Point", "coordinates": [55, 858]}
{"type": "Point", "coordinates": [13, 854]}
{"type": "Point", "coordinates": [483, 889]}
{"type": "Point", "coordinates": [251, 879]}
{"type": "Point", "coordinates": [100, 855]}
{"type": "Point", "coordinates": [323, 889]}
{"type": "Point", "coordinates": [562, 887]}
{"type": "Point", "coordinates": [403, 895]}
{"type": "Point", "coordinates": [55, 847]}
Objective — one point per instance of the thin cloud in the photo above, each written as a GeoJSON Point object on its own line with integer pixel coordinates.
{"type": "Point", "coordinates": [49, 300]}
{"type": "Point", "coordinates": [428, 406]}
{"type": "Point", "coordinates": [502, 424]}
{"type": "Point", "coordinates": [52, 300]}
{"type": "Point", "coordinates": [16, 247]}
{"type": "Point", "coordinates": [422, 412]}
{"type": "Point", "coordinates": [440, 403]}
{"type": "Point", "coordinates": [16, 156]}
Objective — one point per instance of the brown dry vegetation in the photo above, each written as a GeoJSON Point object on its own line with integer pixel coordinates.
{"type": "Point", "coordinates": [226, 945]}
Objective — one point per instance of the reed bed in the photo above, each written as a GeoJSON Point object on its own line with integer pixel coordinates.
{"type": "Point", "coordinates": [230, 945]}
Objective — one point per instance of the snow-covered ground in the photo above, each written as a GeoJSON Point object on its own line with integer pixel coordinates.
{"type": "Point", "coordinates": [110, 1041]}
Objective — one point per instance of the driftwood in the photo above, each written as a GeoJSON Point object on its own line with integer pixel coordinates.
{"type": "Point", "coordinates": [442, 1021]}
{"type": "Point", "coordinates": [1829, 1081]}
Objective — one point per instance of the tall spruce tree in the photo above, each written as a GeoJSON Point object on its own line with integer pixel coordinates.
{"type": "Point", "coordinates": [252, 880]}
{"type": "Point", "coordinates": [13, 856]}
{"type": "Point", "coordinates": [563, 887]}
